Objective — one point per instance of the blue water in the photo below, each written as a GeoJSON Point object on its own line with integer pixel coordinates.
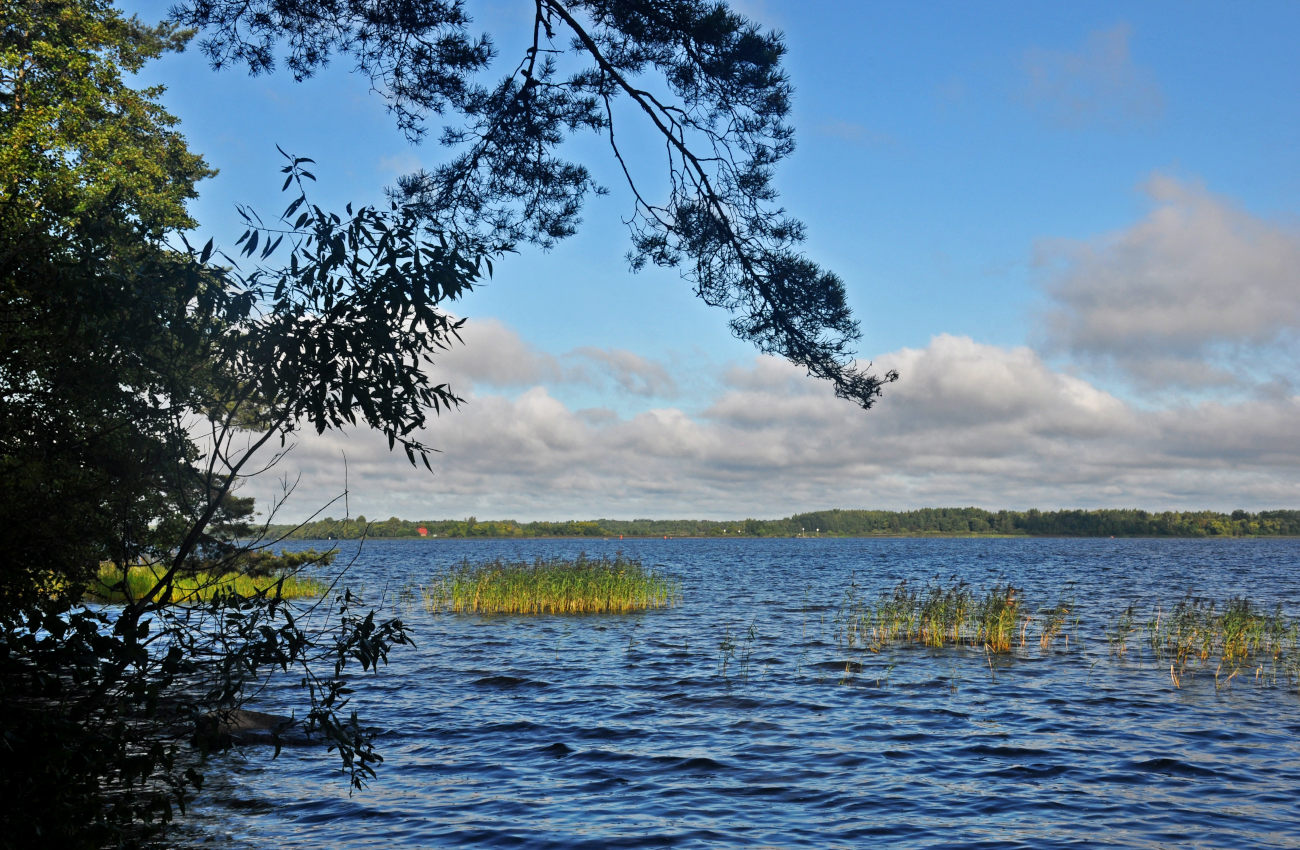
{"type": "Point", "coordinates": [647, 731]}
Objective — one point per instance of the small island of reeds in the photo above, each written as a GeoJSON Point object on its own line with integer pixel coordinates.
{"type": "Point", "coordinates": [551, 586]}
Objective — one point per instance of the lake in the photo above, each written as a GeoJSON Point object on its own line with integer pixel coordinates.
{"type": "Point", "coordinates": [742, 718]}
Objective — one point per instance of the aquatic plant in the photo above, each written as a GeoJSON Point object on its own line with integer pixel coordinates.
{"type": "Point", "coordinates": [997, 619]}
{"type": "Point", "coordinates": [551, 586]}
{"type": "Point", "coordinates": [726, 651]}
{"type": "Point", "coordinates": [1053, 624]}
{"type": "Point", "coordinates": [940, 615]}
{"type": "Point", "coordinates": [1229, 638]}
{"type": "Point", "coordinates": [943, 614]}
{"type": "Point", "coordinates": [1199, 633]}
{"type": "Point", "coordinates": [110, 585]}
{"type": "Point", "coordinates": [737, 650]}
{"type": "Point", "coordinates": [1119, 633]}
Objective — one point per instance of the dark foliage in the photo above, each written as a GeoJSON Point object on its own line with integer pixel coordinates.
{"type": "Point", "coordinates": [139, 380]}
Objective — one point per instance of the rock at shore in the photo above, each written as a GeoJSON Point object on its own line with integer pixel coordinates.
{"type": "Point", "coordinates": [222, 729]}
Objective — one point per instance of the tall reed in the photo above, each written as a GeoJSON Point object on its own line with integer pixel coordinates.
{"type": "Point", "coordinates": [1053, 624]}
{"type": "Point", "coordinates": [551, 586]}
{"type": "Point", "coordinates": [939, 615]}
{"type": "Point", "coordinates": [1231, 637]}
{"type": "Point", "coordinates": [997, 619]}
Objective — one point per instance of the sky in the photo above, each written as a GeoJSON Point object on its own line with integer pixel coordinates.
{"type": "Point", "coordinates": [1074, 230]}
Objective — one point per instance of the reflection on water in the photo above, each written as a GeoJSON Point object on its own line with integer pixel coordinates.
{"type": "Point", "coordinates": [738, 719]}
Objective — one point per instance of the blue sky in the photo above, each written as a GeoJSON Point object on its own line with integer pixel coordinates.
{"type": "Point", "coordinates": [1073, 228]}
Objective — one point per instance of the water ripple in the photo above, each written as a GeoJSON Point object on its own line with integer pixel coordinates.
{"type": "Point", "coordinates": [652, 731]}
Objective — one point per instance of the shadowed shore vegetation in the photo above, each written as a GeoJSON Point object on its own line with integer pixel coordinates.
{"type": "Point", "coordinates": [555, 586]}
{"type": "Point", "coordinates": [111, 586]}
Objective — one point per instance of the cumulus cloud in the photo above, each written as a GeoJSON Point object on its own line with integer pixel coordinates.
{"type": "Point", "coordinates": [969, 424]}
{"type": "Point", "coordinates": [1097, 84]}
{"type": "Point", "coordinates": [495, 356]}
{"type": "Point", "coordinates": [1199, 293]}
{"type": "Point", "coordinates": [631, 372]}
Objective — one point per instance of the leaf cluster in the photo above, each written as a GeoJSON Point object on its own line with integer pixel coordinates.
{"type": "Point", "coordinates": [79, 141]}
{"type": "Point", "coordinates": [104, 332]}
{"type": "Point", "coordinates": [99, 710]}
{"type": "Point", "coordinates": [341, 328]}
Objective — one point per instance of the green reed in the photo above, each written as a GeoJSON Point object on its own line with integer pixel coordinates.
{"type": "Point", "coordinates": [998, 618]}
{"type": "Point", "coordinates": [942, 614]}
{"type": "Point", "coordinates": [1124, 627]}
{"type": "Point", "coordinates": [1053, 622]}
{"type": "Point", "coordinates": [1236, 640]}
{"type": "Point", "coordinates": [1232, 637]}
{"type": "Point", "coordinates": [938, 615]}
{"type": "Point", "coordinates": [110, 585]}
{"type": "Point", "coordinates": [551, 586]}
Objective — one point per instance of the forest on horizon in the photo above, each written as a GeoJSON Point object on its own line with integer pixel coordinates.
{"type": "Point", "coordinates": [945, 522]}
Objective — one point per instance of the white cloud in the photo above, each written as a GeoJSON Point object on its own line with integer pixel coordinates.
{"type": "Point", "coordinates": [400, 163]}
{"type": "Point", "coordinates": [1098, 84]}
{"type": "Point", "coordinates": [495, 356]}
{"type": "Point", "coordinates": [968, 424]}
{"type": "Point", "coordinates": [631, 372]}
{"type": "Point", "coordinates": [959, 382]}
{"type": "Point", "coordinates": [1199, 293]}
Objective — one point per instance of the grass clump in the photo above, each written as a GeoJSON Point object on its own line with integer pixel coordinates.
{"type": "Point", "coordinates": [998, 618]}
{"type": "Point", "coordinates": [551, 586]}
{"type": "Point", "coordinates": [939, 615]}
{"type": "Point", "coordinates": [1233, 637]}
{"type": "Point", "coordinates": [111, 585]}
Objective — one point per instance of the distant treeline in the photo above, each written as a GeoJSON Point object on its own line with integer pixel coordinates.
{"type": "Point", "coordinates": [840, 523]}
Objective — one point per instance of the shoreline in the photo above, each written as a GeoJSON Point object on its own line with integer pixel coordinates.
{"type": "Point", "coordinates": [901, 536]}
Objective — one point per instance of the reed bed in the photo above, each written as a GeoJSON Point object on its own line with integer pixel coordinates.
{"type": "Point", "coordinates": [1231, 637]}
{"type": "Point", "coordinates": [111, 586]}
{"type": "Point", "coordinates": [939, 615]}
{"type": "Point", "coordinates": [551, 586]}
